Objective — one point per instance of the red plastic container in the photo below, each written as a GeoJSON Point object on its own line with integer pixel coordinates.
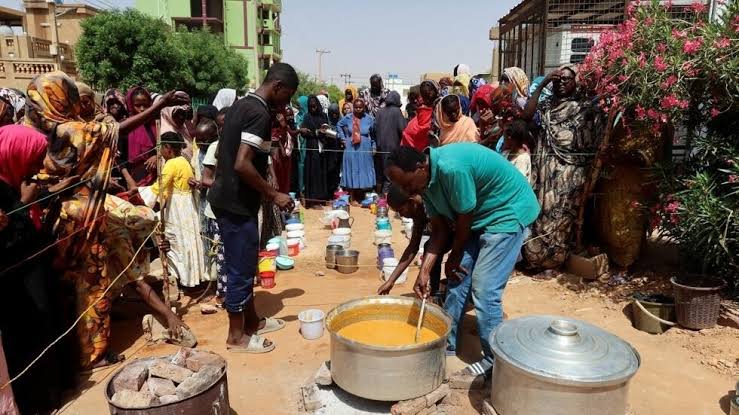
{"type": "Point", "coordinates": [294, 249]}
{"type": "Point", "coordinates": [268, 279]}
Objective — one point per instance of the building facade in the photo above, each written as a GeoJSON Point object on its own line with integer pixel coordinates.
{"type": "Point", "coordinates": [251, 27]}
{"type": "Point", "coordinates": [39, 40]}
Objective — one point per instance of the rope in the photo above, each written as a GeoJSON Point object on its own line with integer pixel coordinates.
{"type": "Point", "coordinates": [112, 283]}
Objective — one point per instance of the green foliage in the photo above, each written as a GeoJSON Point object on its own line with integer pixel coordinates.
{"type": "Point", "coordinates": [211, 65]}
{"type": "Point", "coordinates": [123, 48]}
{"type": "Point", "coordinates": [308, 86]}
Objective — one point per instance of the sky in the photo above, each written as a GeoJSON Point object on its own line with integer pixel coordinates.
{"type": "Point", "coordinates": [404, 37]}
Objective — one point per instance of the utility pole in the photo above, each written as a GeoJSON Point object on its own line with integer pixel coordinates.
{"type": "Point", "coordinates": [320, 53]}
{"type": "Point", "coordinates": [347, 78]}
{"type": "Point", "coordinates": [54, 49]}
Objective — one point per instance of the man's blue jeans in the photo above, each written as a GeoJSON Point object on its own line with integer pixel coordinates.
{"type": "Point", "coordinates": [490, 258]}
{"type": "Point", "coordinates": [240, 238]}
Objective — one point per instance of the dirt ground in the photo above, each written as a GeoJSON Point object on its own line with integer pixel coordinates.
{"type": "Point", "coordinates": [682, 372]}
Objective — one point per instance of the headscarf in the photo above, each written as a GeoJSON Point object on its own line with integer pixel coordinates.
{"type": "Point", "coordinates": [355, 95]}
{"type": "Point", "coordinates": [114, 95]}
{"type": "Point", "coordinates": [168, 125]}
{"type": "Point", "coordinates": [144, 138]}
{"type": "Point", "coordinates": [445, 86]}
{"type": "Point", "coordinates": [15, 98]}
{"type": "Point", "coordinates": [546, 93]}
{"type": "Point", "coordinates": [483, 94]}
{"type": "Point", "coordinates": [75, 147]}
{"type": "Point", "coordinates": [334, 114]}
{"type": "Point", "coordinates": [314, 121]}
{"type": "Point", "coordinates": [519, 80]}
{"type": "Point", "coordinates": [22, 151]}
{"type": "Point", "coordinates": [462, 83]}
{"type": "Point", "coordinates": [475, 84]}
{"type": "Point", "coordinates": [225, 98]}
{"type": "Point", "coordinates": [86, 91]}
{"type": "Point", "coordinates": [465, 103]}
{"type": "Point", "coordinates": [462, 131]}
{"type": "Point", "coordinates": [462, 69]}
{"type": "Point", "coordinates": [324, 101]}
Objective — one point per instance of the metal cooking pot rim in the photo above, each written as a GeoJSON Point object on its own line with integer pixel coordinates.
{"type": "Point", "coordinates": [387, 299]}
{"type": "Point", "coordinates": [565, 351]}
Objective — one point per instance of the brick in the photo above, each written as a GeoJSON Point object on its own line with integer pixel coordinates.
{"type": "Point", "coordinates": [440, 393]}
{"type": "Point", "coordinates": [132, 377]}
{"type": "Point", "coordinates": [466, 381]}
{"type": "Point", "coordinates": [323, 376]}
{"type": "Point", "coordinates": [197, 360]}
{"type": "Point", "coordinates": [129, 399]}
{"type": "Point", "coordinates": [198, 382]}
{"type": "Point", "coordinates": [176, 374]}
{"type": "Point", "coordinates": [487, 408]}
{"type": "Point", "coordinates": [161, 387]}
{"type": "Point", "coordinates": [410, 407]}
{"type": "Point", "coordinates": [166, 399]}
{"type": "Point", "coordinates": [180, 358]}
{"type": "Point", "coordinates": [311, 401]}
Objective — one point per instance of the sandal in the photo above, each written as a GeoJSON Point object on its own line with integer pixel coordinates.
{"type": "Point", "coordinates": [271, 325]}
{"type": "Point", "coordinates": [255, 346]}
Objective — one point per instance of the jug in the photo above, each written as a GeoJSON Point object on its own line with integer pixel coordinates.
{"type": "Point", "coordinates": [383, 224]}
{"type": "Point", "coordinates": [344, 223]}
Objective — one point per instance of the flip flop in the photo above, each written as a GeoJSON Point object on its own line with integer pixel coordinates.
{"type": "Point", "coordinates": [272, 325]}
{"type": "Point", "coordinates": [255, 346]}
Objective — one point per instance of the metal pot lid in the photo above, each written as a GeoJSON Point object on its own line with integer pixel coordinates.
{"type": "Point", "coordinates": [564, 351]}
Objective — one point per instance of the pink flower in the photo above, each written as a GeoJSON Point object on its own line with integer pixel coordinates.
{"type": "Point", "coordinates": [640, 112]}
{"type": "Point", "coordinates": [715, 112]}
{"type": "Point", "coordinates": [669, 82]}
{"type": "Point", "coordinates": [692, 46]}
{"type": "Point", "coordinates": [678, 33]}
{"type": "Point", "coordinates": [683, 104]}
{"type": "Point", "coordinates": [642, 60]}
{"type": "Point", "coordinates": [689, 69]}
{"type": "Point", "coordinates": [653, 114]}
{"type": "Point", "coordinates": [669, 102]}
{"type": "Point", "coordinates": [735, 23]}
{"type": "Point", "coordinates": [661, 48]}
{"type": "Point", "coordinates": [668, 5]}
{"type": "Point", "coordinates": [698, 7]}
{"type": "Point", "coordinates": [733, 178]}
{"type": "Point", "coordinates": [659, 64]}
{"type": "Point", "coordinates": [723, 43]}
{"type": "Point", "coordinates": [672, 207]}
{"type": "Point", "coordinates": [635, 204]}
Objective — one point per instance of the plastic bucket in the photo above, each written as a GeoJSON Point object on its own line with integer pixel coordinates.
{"type": "Point", "coordinates": [653, 309]}
{"type": "Point", "coordinates": [267, 262]}
{"type": "Point", "coordinates": [282, 242]}
{"type": "Point", "coordinates": [383, 237]}
{"type": "Point", "coordinates": [268, 279]}
{"type": "Point", "coordinates": [293, 247]}
{"type": "Point", "coordinates": [273, 249]}
{"type": "Point", "coordinates": [311, 323]}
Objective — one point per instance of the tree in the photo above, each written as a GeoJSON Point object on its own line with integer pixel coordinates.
{"type": "Point", "coordinates": [308, 87]}
{"type": "Point", "coordinates": [211, 65]}
{"type": "Point", "coordinates": [123, 48]}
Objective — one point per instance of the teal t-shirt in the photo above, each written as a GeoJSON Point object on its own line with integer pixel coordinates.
{"type": "Point", "coordinates": [470, 178]}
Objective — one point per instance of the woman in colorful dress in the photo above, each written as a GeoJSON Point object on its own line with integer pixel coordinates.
{"type": "Point", "coordinates": [106, 256]}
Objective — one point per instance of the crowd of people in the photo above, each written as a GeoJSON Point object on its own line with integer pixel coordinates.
{"type": "Point", "coordinates": [480, 167]}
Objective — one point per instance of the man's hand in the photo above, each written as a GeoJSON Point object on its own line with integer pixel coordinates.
{"type": "Point", "coordinates": [421, 287]}
{"type": "Point", "coordinates": [304, 130]}
{"type": "Point", "coordinates": [386, 287]}
{"type": "Point", "coordinates": [173, 98]}
{"type": "Point", "coordinates": [454, 269]}
{"type": "Point", "coordinates": [283, 201]}
{"type": "Point", "coordinates": [164, 245]}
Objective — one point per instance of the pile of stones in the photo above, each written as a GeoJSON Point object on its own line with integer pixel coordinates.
{"type": "Point", "coordinates": [154, 382]}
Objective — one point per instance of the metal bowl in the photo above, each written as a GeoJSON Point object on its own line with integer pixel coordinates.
{"type": "Point", "coordinates": [347, 262]}
{"type": "Point", "coordinates": [388, 373]}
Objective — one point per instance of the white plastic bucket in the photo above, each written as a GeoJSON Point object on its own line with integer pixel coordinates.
{"type": "Point", "coordinates": [311, 323]}
{"type": "Point", "coordinates": [383, 237]}
{"type": "Point", "coordinates": [388, 267]}
{"type": "Point", "coordinates": [345, 241]}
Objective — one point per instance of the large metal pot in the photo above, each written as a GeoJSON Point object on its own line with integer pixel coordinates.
{"type": "Point", "coordinates": [347, 261]}
{"type": "Point", "coordinates": [213, 400]}
{"type": "Point", "coordinates": [387, 373]}
{"type": "Point", "coordinates": [560, 366]}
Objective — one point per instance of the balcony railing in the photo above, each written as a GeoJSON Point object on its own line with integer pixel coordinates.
{"type": "Point", "coordinates": [275, 5]}
{"type": "Point", "coordinates": [17, 73]}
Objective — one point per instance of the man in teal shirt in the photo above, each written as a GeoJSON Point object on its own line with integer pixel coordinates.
{"type": "Point", "coordinates": [491, 204]}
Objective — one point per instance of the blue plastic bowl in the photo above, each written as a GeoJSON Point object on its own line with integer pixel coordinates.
{"type": "Point", "coordinates": [285, 263]}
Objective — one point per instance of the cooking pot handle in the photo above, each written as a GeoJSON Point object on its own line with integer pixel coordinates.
{"type": "Point", "coordinates": [351, 221]}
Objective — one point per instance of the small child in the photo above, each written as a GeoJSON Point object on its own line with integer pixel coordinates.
{"type": "Point", "coordinates": [182, 224]}
{"type": "Point", "coordinates": [515, 147]}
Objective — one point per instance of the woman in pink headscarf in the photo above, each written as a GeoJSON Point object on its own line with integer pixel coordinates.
{"type": "Point", "coordinates": [139, 151]}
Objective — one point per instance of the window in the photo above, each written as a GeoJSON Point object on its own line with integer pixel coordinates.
{"type": "Point", "coordinates": [581, 45]}
{"type": "Point", "coordinates": [265, 39]}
